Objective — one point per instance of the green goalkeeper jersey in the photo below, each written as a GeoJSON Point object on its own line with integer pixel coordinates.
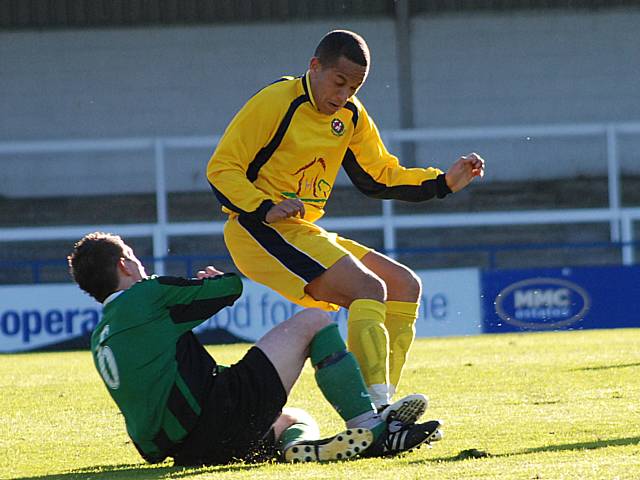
{"type": "Point", "coordinates": [154, 367]}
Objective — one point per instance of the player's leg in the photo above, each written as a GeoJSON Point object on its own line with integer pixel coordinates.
{"type": "Point", "coordinates": [311, 333]}
{"type": "Point", "coordinates": [306, 264]}
{"type": "Point", "coordinates": [402, 307]}
{"type": "Point", "coordinates": [349, 283]}
{"type": "Point", "coordinates": [403, 296]}
{"type": "Point", "coordinates": [338, 377]}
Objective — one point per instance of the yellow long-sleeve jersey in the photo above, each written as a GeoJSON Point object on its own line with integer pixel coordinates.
{"type": "Point", "coordinates": [280, 146]}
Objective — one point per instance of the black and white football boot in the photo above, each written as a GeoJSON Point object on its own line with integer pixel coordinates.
{"type": "Point", "coordinates": [401, 438]}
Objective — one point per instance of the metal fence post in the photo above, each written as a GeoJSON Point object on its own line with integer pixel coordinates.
{"type": "Point", "coordinates": [628, 245]}
{"type": "Point", "coordinates": [160, 242]}
{"type": "Point", "coordinates": [613, 178]}
{"type": "Point", "coordinates": [388, 225]}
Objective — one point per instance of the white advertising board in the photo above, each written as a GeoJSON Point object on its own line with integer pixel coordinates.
{"type": "Point", "coordinates": [450, 305]}
{"type": "Point", "coordinates": [34, 316]}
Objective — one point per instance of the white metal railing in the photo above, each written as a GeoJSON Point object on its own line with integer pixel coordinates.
{"type": "Point", "coordinates": [608, 131]}
{"type": "Point", "coordinates": [620, 219]}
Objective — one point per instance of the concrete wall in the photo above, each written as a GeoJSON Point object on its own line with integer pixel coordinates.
{"type": "Point", "coordinates": [469, 70]}
{"type": "Point", "coordinates": [530, 68]}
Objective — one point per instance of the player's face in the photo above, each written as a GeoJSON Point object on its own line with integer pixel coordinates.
{"type": "Point", "coordinates": [333, 85]}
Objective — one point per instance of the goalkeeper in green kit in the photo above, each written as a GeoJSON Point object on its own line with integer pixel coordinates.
{"type": "Point", "coordinates": [178, 402]}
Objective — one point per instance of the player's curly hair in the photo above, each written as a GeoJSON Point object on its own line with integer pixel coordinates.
{"type": "Point", "coordinates": [93, 263]}
{"type": "Point", "coordinates": [338, 43]}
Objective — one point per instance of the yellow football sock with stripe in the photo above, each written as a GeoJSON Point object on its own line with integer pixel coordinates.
{"type": "Point", "coordinates": [401, 325]}
{"type": "Point", "coordinates": [368, 340]}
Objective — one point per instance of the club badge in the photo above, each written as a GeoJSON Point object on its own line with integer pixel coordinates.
{"type": "Point", "coordinates": [337, 127]}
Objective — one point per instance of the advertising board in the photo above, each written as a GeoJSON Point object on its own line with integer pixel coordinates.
{"type": "Point", "coordinates": [561, 298]}
{"type": "Point", "coordinates": [34, 317]}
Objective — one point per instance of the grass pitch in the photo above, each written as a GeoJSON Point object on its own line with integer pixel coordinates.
{"type": "Point", "coordinates": [562, 405]}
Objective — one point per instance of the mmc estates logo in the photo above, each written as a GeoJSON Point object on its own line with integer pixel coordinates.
{"type": "Point", "coordinates": [542, 303]}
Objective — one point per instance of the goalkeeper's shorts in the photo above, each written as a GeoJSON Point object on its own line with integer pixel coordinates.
{"type": "Point", "coordinates": [287, 255]}
{"type": "Point", "coordinates": [237, 416]}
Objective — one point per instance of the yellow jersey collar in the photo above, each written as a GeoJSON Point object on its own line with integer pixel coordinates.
{"type": "Point", "coordinates": [306, 86]}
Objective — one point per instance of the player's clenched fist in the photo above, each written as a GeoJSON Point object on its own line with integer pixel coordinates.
{"type": "Point", "coordinates": [290, 207]}
{"type": "Point", "coordinates": [465, 169]}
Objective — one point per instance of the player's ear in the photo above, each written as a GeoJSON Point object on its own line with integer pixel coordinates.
{"type": "Point", "coordinates": [123, 267]}
{"type": "Point", "coordinates": [314, 64]}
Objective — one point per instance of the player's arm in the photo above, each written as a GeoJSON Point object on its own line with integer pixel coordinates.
{"type": "Point", "coordinates": [192, 301]}
{"type": "Point", "coordinates": [239, 152]}
{"type": "Point", "coordinates": [378, 174]}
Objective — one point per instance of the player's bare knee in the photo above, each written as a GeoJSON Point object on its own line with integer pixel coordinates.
{"type": "Point", "coordinates": [413, 285]}
{"type": "Point", "coordinates": [313, 319]}
{"type": "Point", "coordinates": [405, 285]}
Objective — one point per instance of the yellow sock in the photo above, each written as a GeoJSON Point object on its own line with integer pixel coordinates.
{"type": "Point", "coordinates": [400, 322]}
{"type": "Point", "coordinates": [368, 340]}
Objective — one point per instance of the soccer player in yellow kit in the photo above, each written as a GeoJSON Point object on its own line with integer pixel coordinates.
{"type": "Point", "coordinates": [273, 172]}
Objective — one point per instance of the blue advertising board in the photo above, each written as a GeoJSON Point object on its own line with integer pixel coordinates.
{"type": "Point", "coordinates": [561, 299]}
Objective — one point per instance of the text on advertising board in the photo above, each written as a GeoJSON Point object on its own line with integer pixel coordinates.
{"type": "Point", "coordinates": [542, 303]}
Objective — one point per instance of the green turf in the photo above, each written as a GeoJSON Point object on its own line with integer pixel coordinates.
{"type": "Point", "coordinates": [543, 406]}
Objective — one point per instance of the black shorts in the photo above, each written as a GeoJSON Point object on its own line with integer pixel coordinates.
{"type": "Point", "coordinates": [237, 419]}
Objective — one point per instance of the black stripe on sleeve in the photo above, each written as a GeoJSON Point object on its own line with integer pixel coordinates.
{"type": "Point", "coordinates": [293, 259]}
{"type": "Point", "coordinates": [354, 110]}
{"type": "Point", "coordinates": [410, 193]}
{"type": "Point", "coordinates": [162, 441]}
{"type": "Point", "coordinates": [195, 365]}
{"type": "Point", "coordinates": [180, 281]}
{"type": "Point", "coordinates": [151, 458]}
{"type": "Point", "coordinates": [260, 212]}
{"type": "Point", "coordinates": [266, 152]}
{"type": "Point", "coordinates": [200, 309]}
{"type": "Point", "coordinates": [224, 201]}
{"type": "Point", "coordinates": [180, 408]}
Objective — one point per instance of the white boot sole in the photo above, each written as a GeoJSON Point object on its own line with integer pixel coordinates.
{"type": "Point", "coordinates": [406, 410]}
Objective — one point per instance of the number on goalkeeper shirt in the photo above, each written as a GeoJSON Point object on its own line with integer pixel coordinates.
{"type": "Point", "coordinates": [107, 362]}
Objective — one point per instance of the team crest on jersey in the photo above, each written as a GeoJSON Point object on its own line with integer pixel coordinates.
{"type": "Point", "coordinates": [337, 127]}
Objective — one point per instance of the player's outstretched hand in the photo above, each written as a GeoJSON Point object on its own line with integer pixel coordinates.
{"type": "Point", "coordinates": [291, 207]}
{"type": "Point", "coordinates": [208, 272]}
{"type": "Point", "coordinates": [464, 170]}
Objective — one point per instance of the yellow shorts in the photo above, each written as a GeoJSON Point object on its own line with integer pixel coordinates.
{"type": "Point", "coordinates": [287, 255]}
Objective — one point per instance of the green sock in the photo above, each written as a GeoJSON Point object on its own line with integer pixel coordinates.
{"type": "Point", "coordinates": [338, 374]}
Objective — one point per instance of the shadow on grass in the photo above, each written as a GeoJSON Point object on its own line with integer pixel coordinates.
{"type": "Point", "coordinates": [141, 471]}
{"type": "Point", "coordinates": [616, 442]}
{"type": "Point", "coordinates": [606, 367]}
